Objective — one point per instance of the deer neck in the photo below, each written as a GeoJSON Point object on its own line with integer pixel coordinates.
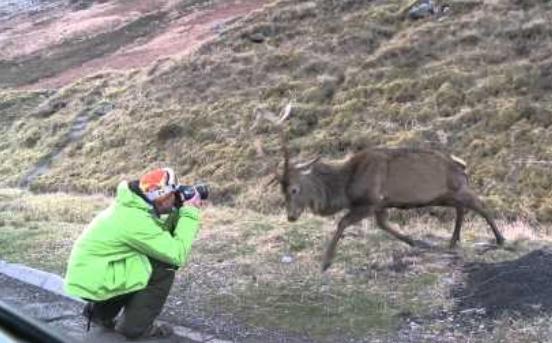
{"type": "Point", "coordinates": [327, 186]}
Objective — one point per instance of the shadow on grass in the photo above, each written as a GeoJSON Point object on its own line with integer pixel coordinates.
{"type": "Point", "coordinates": [521, 286]}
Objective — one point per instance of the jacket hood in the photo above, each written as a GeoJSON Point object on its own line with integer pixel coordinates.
{"type": "Point", "coordinates": [126, 197]}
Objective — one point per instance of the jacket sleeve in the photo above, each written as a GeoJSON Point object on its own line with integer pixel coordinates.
{"type": "Point", "coordinates": [149, 237]}
{"type": "Point", "coordinates": [171, 221]}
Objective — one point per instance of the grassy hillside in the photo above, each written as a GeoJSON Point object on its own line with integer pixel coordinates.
{"type": "Point", "coordinates": [476, 83]}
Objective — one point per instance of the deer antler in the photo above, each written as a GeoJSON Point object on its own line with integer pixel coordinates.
{"type": "Point", "coordinates": [285, 114]}
{"type": "Point", "coordinates": [306, 164]}
{"type": "Point", "coordinates": [283, 139]}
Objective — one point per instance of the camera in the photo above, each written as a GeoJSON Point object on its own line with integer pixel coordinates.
{"type": "Point", "coordinates": [187, 192]}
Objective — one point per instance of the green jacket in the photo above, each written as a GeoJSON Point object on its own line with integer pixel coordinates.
{"type": "Point", "coordinates": [110, 257]}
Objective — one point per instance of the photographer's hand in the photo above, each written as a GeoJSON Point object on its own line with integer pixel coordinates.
{"type": "Point", "coordinates": [178, 201]}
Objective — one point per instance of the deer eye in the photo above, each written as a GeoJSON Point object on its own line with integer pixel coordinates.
{"type": "Point", "coordinates": [294, 190]}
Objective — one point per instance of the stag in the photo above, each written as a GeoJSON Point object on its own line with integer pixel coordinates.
{"type": "Point", "coordinates": [374, 180]}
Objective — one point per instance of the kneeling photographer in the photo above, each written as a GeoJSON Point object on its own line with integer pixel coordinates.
{"type": "Point", "coordinates": [127, 256]}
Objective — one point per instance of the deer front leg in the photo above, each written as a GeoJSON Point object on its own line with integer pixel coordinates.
{"type": "Point", "coordinates": [381, 219]}
{"type": "Point", "coordinates": [354, 215]}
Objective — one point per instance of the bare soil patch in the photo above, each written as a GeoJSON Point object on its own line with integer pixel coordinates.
{"type": "Point", "coordinates": [118, 35]}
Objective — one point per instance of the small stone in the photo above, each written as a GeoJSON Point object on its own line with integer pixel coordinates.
{"type": "Point", "coordinates": [257, 37]}
{"type": "Point", "coordinates": [287, 259]}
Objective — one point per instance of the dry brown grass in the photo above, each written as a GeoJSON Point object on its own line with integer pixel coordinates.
{"type": "Point", "coordinates": [474, 84]}
{"type": "Point", "coordinates": [254, 275]}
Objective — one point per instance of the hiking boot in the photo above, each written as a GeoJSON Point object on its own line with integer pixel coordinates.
{"type": "Point", "coordinates": [158, 331]}
{"type": "Point", "coordinates": [154, 331]}
{"type": "Point", "coordinates": [88, 312]}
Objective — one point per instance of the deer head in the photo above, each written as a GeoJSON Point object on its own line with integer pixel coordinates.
{"type": "Point", "coordinates": [298, 188]}
{"type": "Point", "coordinates": [294, 178]}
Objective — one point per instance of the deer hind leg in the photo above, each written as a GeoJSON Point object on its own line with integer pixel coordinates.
{"type": "Point", "coordinates": [353, 216]}
{"type": "Point", "coordinates": [457, 226]}
{"type": "Point", "coordinates": [473, 202]}
{"type": "Point", "coordinates": [381, 219]}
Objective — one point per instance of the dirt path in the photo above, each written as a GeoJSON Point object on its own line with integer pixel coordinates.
{"type": "Point", "coordinates": [163, 28]}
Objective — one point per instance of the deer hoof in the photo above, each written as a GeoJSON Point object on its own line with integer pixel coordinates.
{"type": "Point", "coordinates": [326, 265]}
{"type": "Point", "coordinates": [500, 241]}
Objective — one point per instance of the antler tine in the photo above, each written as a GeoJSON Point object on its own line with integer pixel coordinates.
{"type": "Point", "coordinates": [285, 115]}
{"type": "Point", "coordinates": [308, 163]}
{"type": "Point", "coordinates": [270, 116]}
{"type": "Point", "coordinates": [260, 112]}
{"type": "Point", "coordinates": [256, 120]}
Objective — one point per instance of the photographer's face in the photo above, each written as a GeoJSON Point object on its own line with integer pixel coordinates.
{"type": "Point", "coordinates": [165, 204]}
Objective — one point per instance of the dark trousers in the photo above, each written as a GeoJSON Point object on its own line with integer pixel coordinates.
{"type": "Point", "coordinates": [139, 308]}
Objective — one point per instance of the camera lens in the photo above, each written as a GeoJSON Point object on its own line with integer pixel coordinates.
{"type": "Point", "coordinates": [203, 190]}
{"type": "Point", "coordinates": [187, 192]}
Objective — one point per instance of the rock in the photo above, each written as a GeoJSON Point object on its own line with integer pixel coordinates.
{"type": "Point", "coordinates": [47, 109]}
{"type": "Point", "coordinates": [422, 9]}
{"type": "Point", "coordinates": [426, 8]}
{"type": "Point", "coordinates": [469, 311]}
{"type": "Point", "coordinates": [219, 28]}
{"type": "Point", "coordinates": [78, 5]}
{"type": "Point", "coordinates": [287, 259]}
{"type": "Point", "coordinates": [103, 108]}
{"type": "Point", "coordinates": [256, 37]}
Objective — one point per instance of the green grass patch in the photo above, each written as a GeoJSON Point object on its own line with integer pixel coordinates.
{"type": "Point", "coordinates": [39, 230]}
{"type": "Point", "coordinates": [324, 315]}
{"type": "Point", "coordinates": [236, 267]}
